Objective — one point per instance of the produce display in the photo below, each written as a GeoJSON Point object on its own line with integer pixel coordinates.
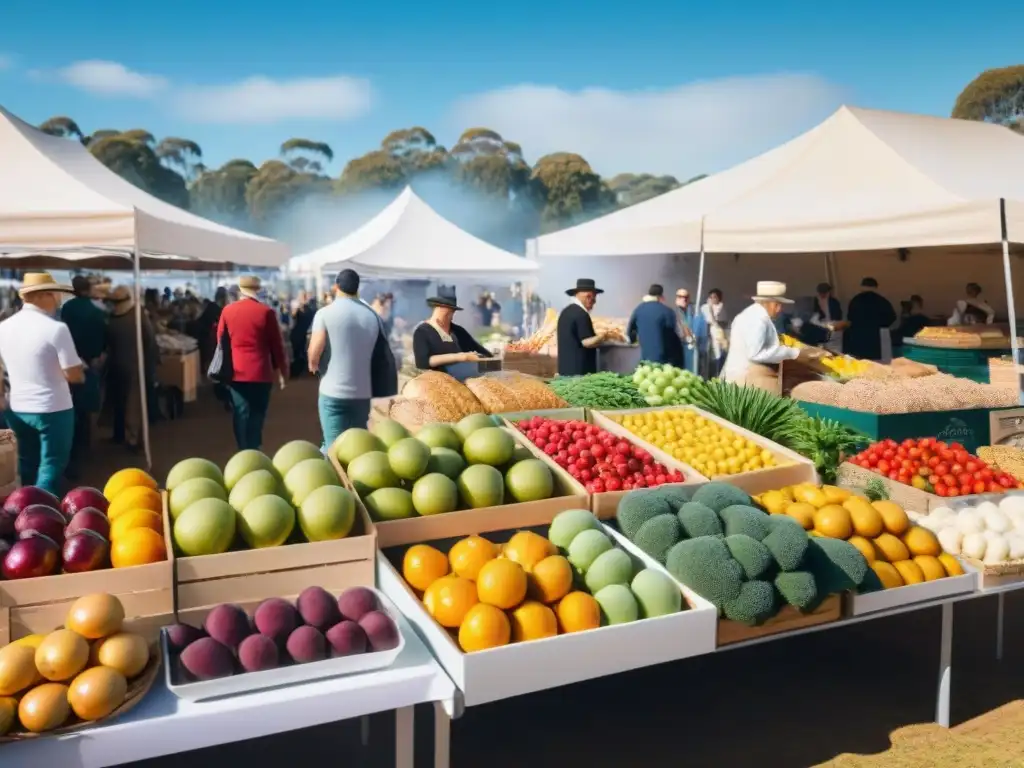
{"type": "Point", "coordinates": [939, 392]}
{"type": "Point", "coordinates": [1006, 458]}
{"type": "Point", "coordinates": [445, 467]}
{"type": "Point", "coordinates": [973, 337]}
{"type": "Point", "coordinates": [256, 501]}
{"type": "Point", "coordinates": [87, 530]}
{"type": "Point", "coordinates": [842, 366]}
{"type": "Point", "coordinates": [597, 458]}
{"type": "Point", "coordinates": [989, 532]}
{"type": "Point", "coordinates": [747, 563]}
{"type": "Point", "coordinates": [489, 595]}
{"type": "Point", "coordinates": [934, 466]}
{"type": "Point", "coordinates": [705, 445]}
{"type": "Point", "coordinates": [510, 391]}
{"type": "Point", "coordinates": [898, 551]}
{"type": "Point", "coordinates": [81, 672]}
{"type": "Point", "coordinates": [603, 391]}
{"type": "Point", "coordinates": [280, 633]}
{"type": "Point", "coordinates": [666, 385]}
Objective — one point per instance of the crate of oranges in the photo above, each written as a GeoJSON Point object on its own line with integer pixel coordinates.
{"type": "Point", "coordinates": [713, 447]}
{"type": "Point", "coordinates": [111, 541]}
{"type": "Point", "coordinates": [541, 601]}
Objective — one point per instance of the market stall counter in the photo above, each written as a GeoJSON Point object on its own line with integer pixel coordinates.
{"type": "Point", "coordinates": [618, 357]}
{"type": "Point", "coordinates": [164, 724]}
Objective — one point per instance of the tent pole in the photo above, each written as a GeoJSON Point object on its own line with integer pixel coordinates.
{"type": "Point", "coordinates": [1010, 308]}
{"type": "Point", "coordinates": [137, 264]}
{"type": "Point", "coordinates": [700, 293]}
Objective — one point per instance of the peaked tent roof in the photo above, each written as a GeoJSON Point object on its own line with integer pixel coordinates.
{"type": "Point", "coordinates": [409, 239]}
{"type": "Point", "coordinates": [861, 180]}
{"type": "Point", "coordinates": [56, 197]}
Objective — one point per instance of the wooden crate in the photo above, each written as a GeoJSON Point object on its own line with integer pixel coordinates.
{"type": "Point", "coordinates": [907, 496]}
{"type": "Point", "coordinates": [40, 605]}
{"type": "Point", "coordinates": [786, 620]}
{"type": "Point", "coordinates": [542, 366]}
{"type": "Point", "coordinates": [181, 372]}
{"type": "Point", "coordinates": [1004, 374]}
{"type": "Point", "coordinates": [249, 576]}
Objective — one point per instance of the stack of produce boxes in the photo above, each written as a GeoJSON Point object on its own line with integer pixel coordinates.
{"type": "Point", "coordinates": [54, 551]}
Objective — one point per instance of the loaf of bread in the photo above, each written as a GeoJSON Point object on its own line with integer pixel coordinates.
{"type": "Point", "coordinates": [445, 394]}
{"type": "Point", "coordinates": [509, 391]}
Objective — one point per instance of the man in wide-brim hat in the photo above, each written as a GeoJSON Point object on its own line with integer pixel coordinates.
{"type": "Point", "coordinates": [41, 361]}
{"type": "Point", "coordinates": [577, 340]}
{"type": "Point", "coordinates": [755, 351]}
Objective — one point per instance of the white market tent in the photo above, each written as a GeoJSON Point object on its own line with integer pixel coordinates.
{"type": "Point", "coordinates": [61, 208]}
{"type": "Point", "coordinates": [410, 240]}
{"type": "Point", "coordinates": [863, 180]}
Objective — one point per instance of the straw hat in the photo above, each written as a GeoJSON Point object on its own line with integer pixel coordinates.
{"type": "Point", "coordinates": [249, 285]}
{"type": "Point", "coordinates": [769, 290]}
{"type": "Point", "coordinates": [41, 282]}
{"type": "Point", "coordinates": [121, 298]}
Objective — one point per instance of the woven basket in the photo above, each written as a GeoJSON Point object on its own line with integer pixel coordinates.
{"type": "Point", "coordinates": [138, 687]}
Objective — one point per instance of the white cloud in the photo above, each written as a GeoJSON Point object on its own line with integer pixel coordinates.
{"type": "Point", "coordinates": [109, 78]}
{"type": "Point", "coordinates": [262, 100]}
{"type": "Point", "coordinates": [699, 127]}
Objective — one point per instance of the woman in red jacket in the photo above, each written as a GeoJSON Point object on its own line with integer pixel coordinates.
{"type": "Point", "coordinates": [257, 351]}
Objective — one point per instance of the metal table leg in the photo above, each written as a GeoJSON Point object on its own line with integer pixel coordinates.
{"type": "Point", "coordinates": [442, 736]}
{"type": "Point", "coordinates": [1000, 607]}
{"type": "Point", "coordinates": [405, 737]}
{"type": "Point", "coordinates": [945, 666]}
{"type": "Point", "coordinates": [364, 730]}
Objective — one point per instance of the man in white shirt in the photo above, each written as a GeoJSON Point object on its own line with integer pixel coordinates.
{"type": "Point", "coordinates": [754, 348]}
{"type": "Point", "coordinates": [973, 310]}
{"type": "Point", "coordinates": [40, 358]}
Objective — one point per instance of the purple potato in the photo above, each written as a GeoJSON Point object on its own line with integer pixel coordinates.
{"type": "Point", "coordinates": [318, 608]}
{"type": "Point", "coordinates": [306, 644]}
{"type": "Point", "coordinates": [206, 659]}
{"type": "Point", "coordinates": [356, 602]}
{"type": "Point", "coordinates": [347, 639]}
{"type": "Point", "coordinates": [180, 636]}
{"type": "Point", "coordinates": [258, 652]}
{"type": "Point", "coordinates": [277, 619]}
{"type": "Point", "coordinates": [228, 624]}
{"type": "Point", "coordinates": [381, 631]}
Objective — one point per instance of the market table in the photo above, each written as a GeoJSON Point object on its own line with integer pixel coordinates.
{"type": "Point", "coordinates": [163, 724]}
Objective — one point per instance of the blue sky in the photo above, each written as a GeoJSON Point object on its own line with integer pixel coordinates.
{"type": "Point", "coordinates": [673, 87]}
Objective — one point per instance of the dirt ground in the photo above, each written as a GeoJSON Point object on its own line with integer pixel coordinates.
{"type": "Point", "coordinates": [858, 697]}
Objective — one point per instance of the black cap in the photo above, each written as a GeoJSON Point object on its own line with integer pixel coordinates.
{"type": "Point", "coordinates": [348, 282]}
{"type": "Point", "coordinates": [869, 282]}
{"type": "Point", "coordinates": [655, 290]}
{"type": "Point", "coordinates": [824, 288]}
{"type": "Point", "coordinates": [81, 285]}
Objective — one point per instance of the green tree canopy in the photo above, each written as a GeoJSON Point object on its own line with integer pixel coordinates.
{"type": "Point", "coordinates": [375, 170]}
{"type": "Point", "coordinates": [632, 188]}
{"type": "Point", "coordinates": [137, 162]}
{"type": "Point", "coordinates": [994, 96]}
{"type": "Point", "coordinates": [274, 189]}
{"type": "Point", "coordinates": [61, 126]}
{"type": "Point", "coordinates": [220, 194]}
{"type": "Point", "coordinates": [182, 154]}
{"type": "Point", "coordinates": [571, 191]}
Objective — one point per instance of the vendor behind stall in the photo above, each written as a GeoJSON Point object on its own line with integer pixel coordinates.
{"type": "Point", "coordinates": [657, 328]}
{"type": "Point", "coordinates": [577, 340]}
{"type": "Point", "coordinates": [754, 348]}
{"type": "Point", "coordinates": [438, 344]}
{"type": "Point", "coordinates": [972, 310]}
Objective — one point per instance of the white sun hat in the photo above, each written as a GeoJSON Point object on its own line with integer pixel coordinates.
{"type": "Point", "coordinates": [770, 290]}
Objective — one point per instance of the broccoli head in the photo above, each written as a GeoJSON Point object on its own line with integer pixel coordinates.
{"type": "Point", "coordinates": [675, 495]}
{"type": "Point", "coordinates": [705, 566]}
{"type": "Point", "coordinates": [776, 520]}
{"type": "Point", "coordinates": [754, 605]}
{"type": "Point", "coordinates": [740, 518]}
{"type": "Point", "coordinates": [871, 583]}
{"type": "Point", "coordinates": [637, 507]}
{"type": "Point", "coordinates": [698, 520]}
{"type": "Point", "coordinates": [718, 496]}
{"type": "Point", "coordinates": [798, 588]}
{"type": "Point", "coordinates": [787, 543]}
{"type": "Point", "coordinates": [657, 536]}
{"type": "Point", "coordinates": [751, 554]}
{"type": "Point", "coordinates": [846, 557]}
{"type": "Point", "coordinates": [829, 575]}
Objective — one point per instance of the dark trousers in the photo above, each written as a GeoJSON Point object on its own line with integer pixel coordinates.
{"type": "Point", "coordinates": [249, 403]}
{"type": "Point", "coordinates": [337, 415]}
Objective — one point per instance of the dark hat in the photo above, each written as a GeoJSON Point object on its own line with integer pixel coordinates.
{"type": "Point", "coordinates": [445, 298]}
{"type": "Point", "coordinates": [348, 281]}
{"type": "Point", "coordinates": [655, 290]}
{"type": "Point", "coordinates": [869, 282]}
{"type": "Point", "coordinates": [584, 285]}
{"type": "Point", "coordinates": [824, 288]}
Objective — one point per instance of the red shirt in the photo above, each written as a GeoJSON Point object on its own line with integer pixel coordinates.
{"type": "Point", "coordinates": [256, 345]}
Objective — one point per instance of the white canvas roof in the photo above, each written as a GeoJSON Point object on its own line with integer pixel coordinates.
{"type": "Point", "coordinates": [56, 197]}
{"type": "Point", "coordinates": [409, 239]}
{"type": "Point", "coordinates": [861, 180]}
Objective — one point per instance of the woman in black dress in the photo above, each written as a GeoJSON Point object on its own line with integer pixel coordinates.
{"type": "Point", "coordinates": [438, 344]}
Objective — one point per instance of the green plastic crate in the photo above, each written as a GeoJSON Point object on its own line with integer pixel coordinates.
{"type": "Point", "coordinates": [969, 428]}
{"type": "Point", "coordinates": [966, 363]}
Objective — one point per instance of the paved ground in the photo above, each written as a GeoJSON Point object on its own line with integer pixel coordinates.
{"type": "Point", "coordinates": [851, 698]}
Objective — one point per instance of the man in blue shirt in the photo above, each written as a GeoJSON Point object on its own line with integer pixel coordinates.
{"type": "Point", "coordinates": [658, 329]}
{"type": "Point", "coordinates": [340, 350]}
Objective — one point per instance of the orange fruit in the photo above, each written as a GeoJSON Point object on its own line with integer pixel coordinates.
{"type": "Point", "coordinates": [484, 627]}
{"type": "Point", "coordinates": [833, 521]}
{"type": "Point", "coordinates": [448, 599]}
{"type": "Point", "coordinates": [891, 549]}
{"type": "Point", "coordinates": [951, 565]}
{"type": "Point", "coordinates": [865, 547]}
{"type": "Point", "coordinates": [132, 477]}
{"type": "Point", "coordinates": [894, 517]}
{"type": "Point", "coordinates": [528, 548]}
{"type": "Point", "coordinates": [921, 541]}
{"type": "Point", "coordinates": [887, 574]}
{"type": "Point", "coordinates": [135, 518]}
{"type": "Point", "coordinates": [137, 546]}
{"type": "Point", "coordinates": [423, 565]}
{"type": "Point", "coordinates": [551, 579]}
{"type": "Point", "coordinates": [578, 611]}
{"type": "Point", "coordinates": [501, 583]}
{"type": "Point", "coordinates": [138, 497]}
{"type": "Point", "coordinates": [468, 556]}
{"type": "Point", "coordinates": [533, 621]}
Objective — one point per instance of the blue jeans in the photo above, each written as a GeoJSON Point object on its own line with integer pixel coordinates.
{"type": "Point", "coordinates": [249, 403]}
{"type": "Point", "coordinates": [44, 446]}
{"type": "Point", "coordinates": [337, 415]}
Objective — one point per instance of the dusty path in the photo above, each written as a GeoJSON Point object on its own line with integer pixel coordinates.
{"type": "Point", "coordinates": [850, 698]}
